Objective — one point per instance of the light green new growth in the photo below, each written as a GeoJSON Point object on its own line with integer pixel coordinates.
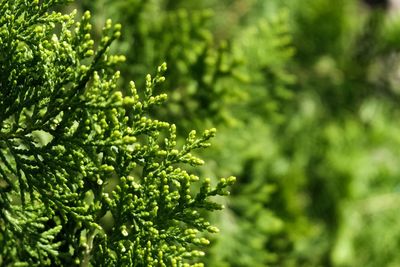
{"type": "Point", "coordinates": [86, 176]}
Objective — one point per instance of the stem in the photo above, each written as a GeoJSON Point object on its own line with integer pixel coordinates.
{"type": "Point", "coordinates": [89, 246]}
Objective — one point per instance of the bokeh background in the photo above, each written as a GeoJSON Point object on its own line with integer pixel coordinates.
{"type": "Point", "coordinates": [306, 99]}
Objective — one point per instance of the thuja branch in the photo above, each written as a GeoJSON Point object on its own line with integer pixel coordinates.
{"type": "Point", "coordinates": [75, 152]}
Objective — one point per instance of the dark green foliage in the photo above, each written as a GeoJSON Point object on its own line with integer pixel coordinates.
{"type": "Point", "coordinates": [87, 177]}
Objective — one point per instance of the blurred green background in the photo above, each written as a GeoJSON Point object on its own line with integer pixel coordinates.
{"type": "Point", "coordinates": [305, 97]}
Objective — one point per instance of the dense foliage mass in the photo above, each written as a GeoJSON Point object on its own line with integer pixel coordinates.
{"type": "Point", "coordinates": [87, 176]}
{"type": "Point", "coordinates": [304, 96]}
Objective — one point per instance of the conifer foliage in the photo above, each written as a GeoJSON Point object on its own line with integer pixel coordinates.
{"type": "Point", "coordinates": [86, 176]}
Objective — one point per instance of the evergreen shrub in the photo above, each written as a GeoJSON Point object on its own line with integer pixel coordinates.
{"type": "Point", "coordinates": [87, 177]}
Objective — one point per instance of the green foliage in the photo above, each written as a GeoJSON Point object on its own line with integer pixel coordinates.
{"type": "Point", "coordinates": [201, 67]}
{"type": "Point", "coordinates": [249, 225]}
{"type": "Point", "coordinates": [87, 176]}
{"type": "Point", "coordinates": [304, 97]}
{"type": "Point", "coordinates": [246, 77]}
{"type": "Point", "coordinates": [332, 134]}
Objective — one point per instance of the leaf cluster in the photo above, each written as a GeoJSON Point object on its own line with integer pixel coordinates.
{"type": "Point", "coordinates": [76, 152]}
